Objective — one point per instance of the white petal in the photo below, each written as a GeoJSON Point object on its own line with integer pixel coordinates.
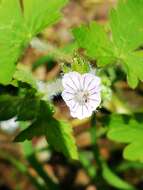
{"type": "Point", "coordinates": [94, 101]}
{"type": "Point", "coordinates": [81, 112]}
{"type": "Point", "coordinates": [90, 81]}
{"type": "Point", "coordinates": [71, 81]}
{"type": "Point", "coordinates": [95, 96]}
{"type": "Point", "coordinates": [68, 98]}
{"type": "Point", "coordinates": [74, 107]}
{"type": "Point", "coordinates": [94, 90]}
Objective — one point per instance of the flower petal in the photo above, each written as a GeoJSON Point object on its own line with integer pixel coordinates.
{"type": "Point", "coordinates": [95, 96]}
{"type": "Point", "coordinates": [72, 81]}
{"type": "Point", "coordinates": [81, 112]}
{"type": "Point", "coordinates": [90, 82]}
{"type": "Point", "coordinates": [94, 101]}
{"type": "Point", "coordinates": [68, 98]}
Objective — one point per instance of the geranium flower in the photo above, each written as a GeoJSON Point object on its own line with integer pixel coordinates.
{"type": "Point", "coordinates": [81, 93]}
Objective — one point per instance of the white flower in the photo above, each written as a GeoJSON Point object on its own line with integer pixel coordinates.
{"type": "Point", "coordinates": [81, 93]}
{"type": "Point", "coordinates": [9, 126]}
{"type": "Point", "coordinates": [49, 89]}
{"type": "Point", "coordinates": [42, 87]}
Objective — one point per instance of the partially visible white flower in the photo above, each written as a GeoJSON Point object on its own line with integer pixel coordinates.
{"type": "Point", "coordinates": [50, 89]}
{"type": "Point", "coordinates": [82, 93]}
{"type": "Point", "coordinates": [41, 86]}
{"type": "Point", "coordinates": [9, 126]}
{"type": "Point", "coordinates": [55, 87]}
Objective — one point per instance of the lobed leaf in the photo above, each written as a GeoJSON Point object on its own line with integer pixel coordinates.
{"type": "Point", "coordinates": [18, 25]}
{"type": "Point", "coordinates": [95, 41]}
{"type": "Point", "coordinates": [124, 42]}
{"type": "Point", "coordinates": [127, 130]}
{"type": "Point", "coordinates": [24, 108]}
{"type": "Point", "coordinates": [39, 14]}
{"type": "Point", "coordinates": [25, 76]}
{"type": "Point", "coordinates": [58, 133]}
{"type": "Point", "coordinates": [11, 38]}
{"type": "Point", "coordinates": [8, 106]}
{"type": "Point", "coordinates": [133, 65]}
{"type": "Point", "coordinates": [28, 108]}
{"type": "Point", "coordinates": [126, 25]}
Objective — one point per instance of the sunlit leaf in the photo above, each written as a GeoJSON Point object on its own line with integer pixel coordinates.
{"type": "Point", "coordinates": [12, 38]}
{"type": "Point", "coordinates": [18, 25]}
{"type": "Point", "coordinates": [39, 14]}
{"type": "Point", "coordinates": [94, 39]}
{"type": "Point", "coordinates": [127, 130]}
{"type": "Point", "coordinates": [119, 46]}
{"type": "Point", "coordinates": [25, 76]}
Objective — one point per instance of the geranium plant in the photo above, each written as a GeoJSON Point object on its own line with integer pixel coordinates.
{"type": "Point", "coordinates": [87, 82]}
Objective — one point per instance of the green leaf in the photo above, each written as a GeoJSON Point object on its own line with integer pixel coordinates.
{"type": "Point", "coordinates": [126, 37]}
{"type": "Point", "coordinates": [127, 32]}
{"type": "Point", "coordinates": [128, 130]}
{"type": "Point", "coordinates": [28, 109]}
{"type": "Point", "coordinates": [134, 151]}
{"type": "Point", "coordinates": [94, 39]}
{"type": "Point", "coordinates": [8, 106]}
{"type": "Point", "coordinates": [133, 66]}
{"type": "Point", "coordinates": [113, 179]}
{"type": "Point", "coordinates": [11, 38]}
{"type": "Point", "coordinates": [24, 108]}
{"type": "Point", "coordinates": [38, 127]}
{"type": "Point", "coordinates": [39, 14]}
{"type": "Point", "coordinates": [17, 27]}
{"type": "Point", "coordinates": [58, 133]}
{"type": "Point", "coordinates": [25, 76]}
{"type": "Point", "coordinates": [126, 25]}
{"type": "Point", "coordinates": [69, 49]}
{"type": "Point", "coordinates": [60, 137]}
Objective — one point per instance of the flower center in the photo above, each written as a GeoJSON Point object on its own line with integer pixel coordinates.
{"type": "Point", "coordinates": [81, 97]}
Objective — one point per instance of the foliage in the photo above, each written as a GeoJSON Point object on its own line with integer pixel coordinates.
{"type": "Point", "coordinates": [25, 76]}
{"type": "Point", "coordinates": [122, 46]}
{"type": "Point", "coordinates": [58, 133]}
{"type": "Point", "coordinates": [24, 22]}
{"type": "Point", "coordinates": [114, 180]}
{"type": "Point", "coordinates": [19, 23]}
{"type": "Point", "coordinates": [113, 51]}
{"type": "Point", "coordinates": [126, 129]}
